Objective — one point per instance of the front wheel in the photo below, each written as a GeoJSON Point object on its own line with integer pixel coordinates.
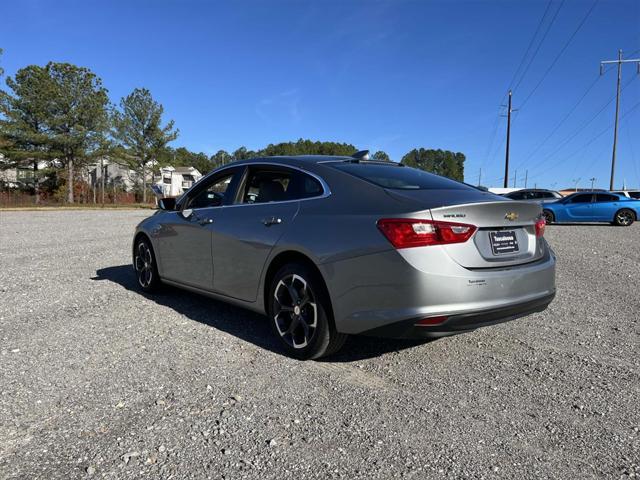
{"type": "Point", "coordinates": [299, 313]}
{"type": "Point", "coordinates": [624, 217]}
{"type": "Point", "coordinates": [144, 264]}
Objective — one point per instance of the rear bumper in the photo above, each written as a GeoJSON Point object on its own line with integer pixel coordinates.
{"type": "Point", "coordinates": [384, 294]}
{"type": "Point", "coordinates": [463, 322]}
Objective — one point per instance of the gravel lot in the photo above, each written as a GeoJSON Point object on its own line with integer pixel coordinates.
{"type": "Point", "coordinates": [97, 380]}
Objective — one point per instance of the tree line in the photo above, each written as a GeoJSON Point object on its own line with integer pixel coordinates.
{"type": "Point", "coordinates": [62, 112]}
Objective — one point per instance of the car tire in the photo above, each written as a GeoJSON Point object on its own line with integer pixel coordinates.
{"type": "Point", "coordinates": [548, 216]}
{"type": "Point", "coordinates": [300, 313]}
{"type": "Point", "coordinates": [145, 266]}
{"type": "Point", "coordinates": [624, 217]}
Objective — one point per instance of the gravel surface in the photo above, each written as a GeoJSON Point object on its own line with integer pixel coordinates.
{"type": "Point", "coordinates": [97, 380]}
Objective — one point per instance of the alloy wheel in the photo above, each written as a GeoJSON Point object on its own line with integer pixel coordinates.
{"type": "Point", "coordinates": [295, 312]}
{"type": "Point", "coordinates": [624, 217]}
{"type": "Point", "coordinates": [144, 265]}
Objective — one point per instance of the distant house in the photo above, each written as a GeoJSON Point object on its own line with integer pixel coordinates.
{"type": "Point", "coordinates": [18, 176]}
{"type": "Point", "coordinates": [174, 181]}
{"type": "Point", "coordinates": [114, 175]}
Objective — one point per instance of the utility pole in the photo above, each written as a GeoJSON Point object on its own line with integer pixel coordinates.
{"type": "Point", "coordinates": [593, 179]}
{"type": "Point", "coordinates": [526, 176]}
{"type": "Point", "coordinates": [619, 61]}
{"type": "Point", "coordinates": [576, 181]}
{"type": "Point", "coordinates": [102, 172]}
{"type": "Point", "coordinates": [480, 177]}
{"type": "Point", "coordinates": [515, 178]}
{"type": "Point", "coordinates": [506, 158]}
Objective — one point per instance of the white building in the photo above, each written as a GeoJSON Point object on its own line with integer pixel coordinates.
{"type": "Point", "coordinates": [174, 181]}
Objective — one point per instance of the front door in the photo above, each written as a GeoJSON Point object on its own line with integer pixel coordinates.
{"type": "Point", "coordinates": [184, 239]}
{"type": "Point", "coordinates": [580, 208]}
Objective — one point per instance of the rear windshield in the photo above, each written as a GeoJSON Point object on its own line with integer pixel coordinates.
{"type": "Point", "coordinates": [400, 178]}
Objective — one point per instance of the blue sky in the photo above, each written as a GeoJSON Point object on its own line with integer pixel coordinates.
{"type": "Point", "coordinates": [390, 75]}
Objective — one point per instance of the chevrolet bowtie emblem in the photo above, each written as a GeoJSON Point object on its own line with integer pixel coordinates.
{"type": "Point", "coordinates": [512, 216]}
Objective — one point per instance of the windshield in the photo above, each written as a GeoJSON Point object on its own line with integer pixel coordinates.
{"type": "Point", "coordinates": [401, 178]}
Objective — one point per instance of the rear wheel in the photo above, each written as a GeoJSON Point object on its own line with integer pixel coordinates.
{"type": "Point", "coordinates": [144, 263]}
{"type": "Point", "coordinates": [624, 217]}
{"type": "Point", "coordinates": [299, 313]}
{"type": "Point", "coordinates": [548, 216]}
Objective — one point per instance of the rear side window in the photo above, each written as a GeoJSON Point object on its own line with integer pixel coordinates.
{"type": "Point", "coordinates": [265, 185]}
{"type": "Point", "coordinates": [400, 178]}
{"type": "Point", "coordinates": [603, 197]}
{"type": "Point", "coordinates": [516, 196]}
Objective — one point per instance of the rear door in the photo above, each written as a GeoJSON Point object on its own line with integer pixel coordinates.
{"type": "Point", "coordinates": [605, 207]}
{"type": "Point", "coordinates": [246, 232]}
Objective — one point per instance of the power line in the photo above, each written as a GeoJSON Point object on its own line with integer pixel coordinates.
{"type": "Point", "coordinates": [531, 42]}
{"type": "Point", "coordinates": [579, 130]}
{"type": "Point", "coordinates": [541, 41]}
{"type": "Point", "coordinates": [562, 50]}
{"type": "Point", "coordinates": [593, 139]}
{"type": "Point", "coordinates": [561, 122]}
{"type": "Point", "coordinates": [515, 74]}
{"type": "Point", "coordinates": [619, 62]}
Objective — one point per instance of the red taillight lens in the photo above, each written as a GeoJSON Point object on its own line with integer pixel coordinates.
{"type": "Point", "coordinates": [426, 322]}
{"type": "Point", "coordinates": [409, 232]}
{"type": "Point", "coordinates": [540, 226]}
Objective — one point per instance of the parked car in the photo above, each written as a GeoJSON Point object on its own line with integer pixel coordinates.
{"type": "Point", "coordinates": [635, 194]}
{"type": "Point", "coordinates": [593, 207]}
{"type": "Point", "coordinates": [535, 195]}
{"type": "Point", "coordinates": [332, 246]}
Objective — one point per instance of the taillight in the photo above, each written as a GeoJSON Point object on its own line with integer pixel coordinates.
{"type": "Point", "coordinates": [540, 226]}
{"type": "Point", "coordinates": [409, 232]}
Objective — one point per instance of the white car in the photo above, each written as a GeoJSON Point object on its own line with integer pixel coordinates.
{"type": "Point", "coordinates": [629, 193]}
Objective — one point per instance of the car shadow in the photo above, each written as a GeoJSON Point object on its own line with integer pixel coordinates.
{"type": "Point", "coordinates": [582, 224]}
{"type": "Point", "coordinates": [244, 324]}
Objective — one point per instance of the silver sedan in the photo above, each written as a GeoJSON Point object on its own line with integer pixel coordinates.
{"type": "Point", "coordinates": [332, 246]}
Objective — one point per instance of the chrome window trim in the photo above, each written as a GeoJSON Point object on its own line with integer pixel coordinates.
{"type": "Point", "coordinates": [326, 191]}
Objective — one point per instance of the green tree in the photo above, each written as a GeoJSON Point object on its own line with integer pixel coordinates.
{"type": "Point", "coordinates": [308, 147]}
{"type": "Point", "coordinates": [137, 128]}
{"type": "Point", "coordinates": [23, 130]}
{"type": "Point", "coordinates": [243, 154]}
{"type": "Point", "coordinates": [221, 157]}
{"type": "Point", "coordinates": [381, 156]}
{"type": "Point", "coordinates": [441, 162]}
{"type": "Point", "coordinates": [184, 158]}
{"type": "Point", "coordinates": [55, 111]}
{"type": "Point", "coordinates": [1, 69]}
{"type": "Point", "coordinates": [77, 120]}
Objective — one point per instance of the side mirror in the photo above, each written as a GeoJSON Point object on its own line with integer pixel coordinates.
{"type": "Point", "coordinates": [167, 203]}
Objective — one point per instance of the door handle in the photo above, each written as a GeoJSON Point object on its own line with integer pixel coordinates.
{"type": "Point", "coordinates": [271, 221]}
{"type": "Point", "coordinates": [201, 220]}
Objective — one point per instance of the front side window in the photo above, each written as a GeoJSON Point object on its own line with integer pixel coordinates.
{"type": "Point", "coordinates": [213, 193]}
{"type": "Point", "coordinates": [584, 198]}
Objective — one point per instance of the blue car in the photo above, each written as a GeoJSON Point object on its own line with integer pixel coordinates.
{"type": "Point", "coordinates": [593, 207]}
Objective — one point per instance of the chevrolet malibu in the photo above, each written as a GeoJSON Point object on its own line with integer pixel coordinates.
{"type": "Point", "coordinates": [327, 247]}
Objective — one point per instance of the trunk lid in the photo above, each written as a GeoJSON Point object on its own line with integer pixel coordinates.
{"type": "Point", "coordinates": [505, 235]}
